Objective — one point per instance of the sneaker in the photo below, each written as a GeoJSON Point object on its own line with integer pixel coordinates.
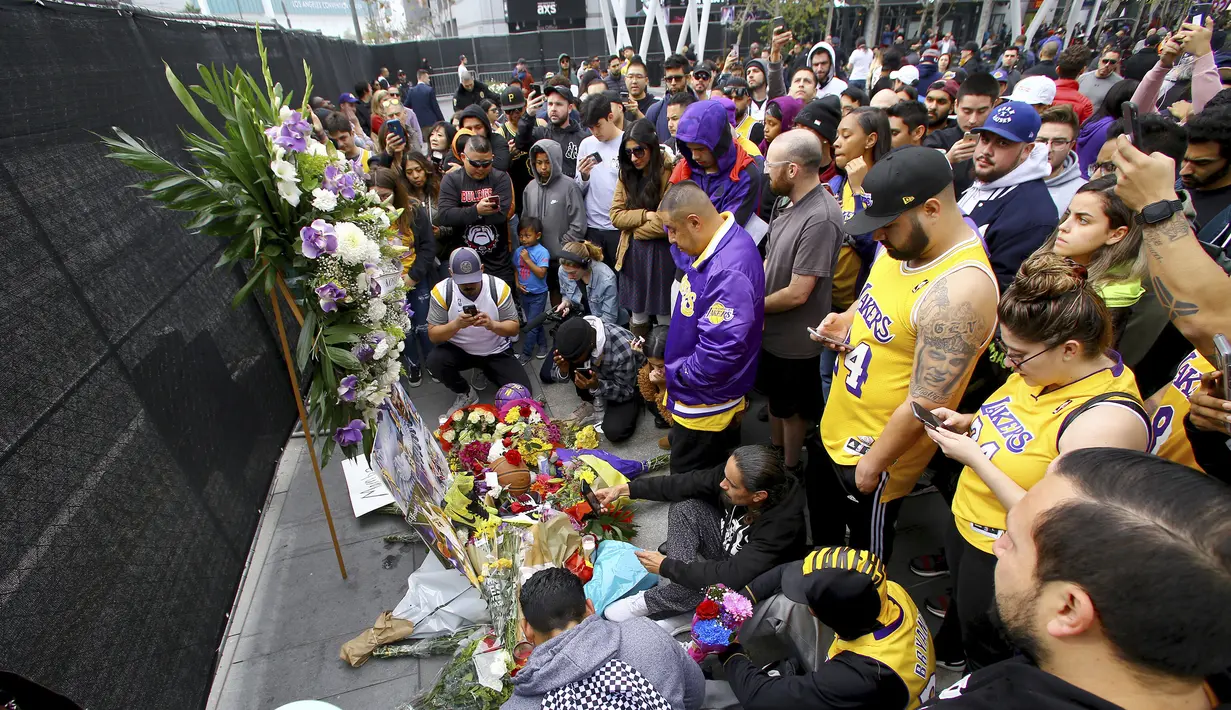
{"type": "Point", "coordinates": [930, 565]}
{"type": "Point", "coordinates": [416, 376]}
{"type": "Point", "coordinates": [480, 381]}
{"type": "Point", "coordinates": [956, 666]}
{"type": "Point", "coordinates": [463, 400]}
{"type": "Point", "coordinates": [541, 353]}
{"type": "Point", "coordinates": [938, 605]}
{"type": "Point", "coordinates": [664, 444]}
{"type": "Point", "coordinates": [583, 414]}
{"type": "Point", "coordinates": [523, 359]}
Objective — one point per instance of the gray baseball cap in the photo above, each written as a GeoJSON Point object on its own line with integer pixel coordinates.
{"type": "Point", "coordinates": [465, 266]}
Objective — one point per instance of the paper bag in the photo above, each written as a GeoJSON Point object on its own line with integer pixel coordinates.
{"type": "Point", "coordinates": [554, 542]}
{"type": "Point", "coordinates": [387, 629]}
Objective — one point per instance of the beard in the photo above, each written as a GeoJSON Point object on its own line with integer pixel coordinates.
{"type": "Point", "coordinates": [1196, 183]}
{"type": "Point", "coordinates": [916, 243]}
{"type": "Point", "coordinates": [933, 122]}
{"type": "Point", "coordinates": [780, 187]}
{"type": "Point", "coordinates": [1012, 621]}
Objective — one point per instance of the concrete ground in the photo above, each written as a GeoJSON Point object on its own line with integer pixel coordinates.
{"type": "Point", "coordinates": [294, 611]}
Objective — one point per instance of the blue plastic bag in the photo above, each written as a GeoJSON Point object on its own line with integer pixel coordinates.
{"type": "Point", "coordinates": [617, 573]}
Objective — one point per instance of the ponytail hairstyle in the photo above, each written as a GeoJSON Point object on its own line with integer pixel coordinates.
{"type": "Point", "coordinates": [1051, 301]}
{"type": "Point", "coordinates": [656, 343]}
{"type": "Point", "coordinates": [582, 253]}
{"type": "Point", "coordinates": [388, 179]}
{"type": "Point", "coordinates": [1123, 261]}
{"type": "Point", "coordinates": [762, 471]}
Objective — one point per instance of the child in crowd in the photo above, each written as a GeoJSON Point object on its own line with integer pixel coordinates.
{"type": "Point", "coordinates": [652, 380]}
{"type": "Point", "coordinates": [531, 259]}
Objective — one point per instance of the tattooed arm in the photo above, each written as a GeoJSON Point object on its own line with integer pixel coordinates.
{"type": "Point", "coordinates": [954, 321]}
{"type": "Point", "coordinates": [1193, 289]}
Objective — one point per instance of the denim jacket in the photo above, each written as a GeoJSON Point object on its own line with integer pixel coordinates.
{"type": "Point", "coordinates": [601, 292]}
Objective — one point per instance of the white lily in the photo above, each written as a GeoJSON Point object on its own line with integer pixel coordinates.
{"type": "Point", "coordinates": [289, 192]}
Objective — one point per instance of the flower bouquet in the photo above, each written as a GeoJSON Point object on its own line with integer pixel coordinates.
{"type": "Point", "coordinates": [717, 620]}
{"type": "Point", "coordinates": [302, 215]}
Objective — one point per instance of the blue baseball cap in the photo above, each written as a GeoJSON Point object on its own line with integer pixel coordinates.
{"type": "Point", "coordinates": [465, 267]}
{"type": "Point", "coordinates": [348, 98]}
{"type": "Point", "coordinates": [1013, 121]}
{"type": "Point", "coordinates": [1001, 75]}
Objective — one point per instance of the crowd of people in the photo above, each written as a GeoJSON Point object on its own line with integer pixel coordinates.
{"type": "Point", "coordinates": [960, 267]}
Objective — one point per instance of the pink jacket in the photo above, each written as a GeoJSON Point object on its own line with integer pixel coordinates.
{"type": "Point", "coordinates": [1206, 83]}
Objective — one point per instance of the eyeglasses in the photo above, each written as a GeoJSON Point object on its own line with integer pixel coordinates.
{"type": "Point", "coordinates": [479, 163]}
{"type": "Point", "coordinates": [1054, 142]}
{"type": "Point", "coordinates": [635, 75]}
{"type": "Point", "coordinates": [738, 92]}
{"type": "Point", "coordinates": [1107, 167]}
{"type": "Point", "coordinates": [636, 151]}
{"type": "Point", "coordinates": [1017, 364]}
{"type": "Point", "coordinates": [774, 164]}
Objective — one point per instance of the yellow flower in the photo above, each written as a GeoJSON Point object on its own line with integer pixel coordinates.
{"type": "Point", "coordinates": [586, 474]}
{"type": "Point", "coordinates": [587, 438]}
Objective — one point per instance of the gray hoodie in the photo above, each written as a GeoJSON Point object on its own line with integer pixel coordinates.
{"type": "Point", "coordinates": [577, 653]}
{"type": "Point", "coordinates": [556, 201]}
{"type": "Point", "coordinates": [1065, 185]}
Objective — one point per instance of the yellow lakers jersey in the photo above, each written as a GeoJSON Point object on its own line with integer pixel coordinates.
{"type": "Point", "coordinates": [873, 378]}
{"type": "Point", "coordinates": [1167, 421]}
{"type": "Point", "coordinates": [846, 272]}
{"type": "Point", "coordinates": [1018, 428]}
{"type": "Point", "coordinates": [905, 645]}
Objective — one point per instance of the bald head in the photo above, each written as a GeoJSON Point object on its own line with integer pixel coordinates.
{"type": "Point", "coordinates": [689, 217]}
{"type": "Point", "coordinates": [885, 98]}
{"type": "Point", "coordinates": [800, 147]}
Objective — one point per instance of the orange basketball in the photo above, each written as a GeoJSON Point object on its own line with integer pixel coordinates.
{"type": "Point", "coordinates": [514, 479]}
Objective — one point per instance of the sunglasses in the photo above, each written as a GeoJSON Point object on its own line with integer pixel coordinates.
{"type": "Point", "coordinates": [674, 77]}
{"type": "Point", "coordinates": [701, 75]}
{"type": "Point", "coordinates": [479, 163]}
{"type": "Point", "coordinates": [636, 151]}
{"type": "Point", "coordinates": [1109, 61]}
{"type": "Point", "coordinates": [738, 92]}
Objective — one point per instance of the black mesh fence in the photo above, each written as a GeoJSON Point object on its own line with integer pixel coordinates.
{"type": "Point", "coordinates": [142, 417]}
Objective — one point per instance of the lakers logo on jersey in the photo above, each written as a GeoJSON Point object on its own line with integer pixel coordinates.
{"type": "Point", "coordinates": [688, 299]}
{"type": "Point", "coordinates": [1006, 422]}
{"type": "Point", "coordinates": [719, 313]}
{"type": "Point", "coordinates": [871, 313]}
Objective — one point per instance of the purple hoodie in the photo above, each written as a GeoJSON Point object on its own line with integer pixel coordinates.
{"type": "Point", "coordinates": [736, 186]}
{"type": "Point", "coordinates": [1090, 140]}
{"type": "Point", "coordinates": [789, 106]}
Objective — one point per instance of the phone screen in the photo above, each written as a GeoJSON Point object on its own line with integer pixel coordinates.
{"type": "Point", "coordinates": [595, 157]}
{"type": "Point", "coordinates": [470, 310]}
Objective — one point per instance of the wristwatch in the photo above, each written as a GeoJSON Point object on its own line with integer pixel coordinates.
{"type": "Point", "coordinates": [1160, 211]}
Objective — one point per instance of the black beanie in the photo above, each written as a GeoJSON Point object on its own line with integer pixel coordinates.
{"type": "Point", "coordinates": [574, 339]}
{"type": "Point", "coordinates": [821, 115]}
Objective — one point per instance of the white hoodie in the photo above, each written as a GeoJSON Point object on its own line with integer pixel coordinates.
{"type": "Point", "coordinates": [830, 85]}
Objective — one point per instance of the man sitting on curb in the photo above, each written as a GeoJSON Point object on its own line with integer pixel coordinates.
{"type": "Point", "coordinates": [581, 659]}
{"type": "Point", "coordinates": [881, 656]}
{"type": "Point", "coordinates": [604, 368]}
{"type": "Point", "coordinates": [471, 320]}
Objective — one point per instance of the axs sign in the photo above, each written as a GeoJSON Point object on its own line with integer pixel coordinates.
{"type": "Point", "coordinates": [547, 8]}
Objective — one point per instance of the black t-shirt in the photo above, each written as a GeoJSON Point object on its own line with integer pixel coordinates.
{"type": "Point", "coordinates": [1208, 203]}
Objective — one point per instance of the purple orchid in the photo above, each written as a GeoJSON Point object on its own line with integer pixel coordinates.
{"type": "Point", "coordinates": [364, 352]}
{"type": "Point", "coordinates": [318, 238]}
{"type": "Point", "coordinates": [292, 135]}
{"type": "Point", "coordinates": [406, 307]}
{"type": "Point", "coordinates": [346, 392]}
{"type": "Point", "coordinates": [330, 294]}
{"type": "Point", "coordinates": [374, 273]}
{"type": "Point", "coordinates": [351, 434]}
{"type": "Point", "coordinates": [338, 182]}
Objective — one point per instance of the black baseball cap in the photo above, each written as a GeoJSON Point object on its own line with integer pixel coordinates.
{"type": "Point", "coordinates": [564, 91]}
{"type": "Point", "coordinates": [512, 98]}
{"type": "Point", "coordinates": [845, 588]}
{"type": "Point", "coordinates": [899, 182]}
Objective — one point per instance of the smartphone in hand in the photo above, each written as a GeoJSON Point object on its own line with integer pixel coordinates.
{"type": "Point", "coordinates": [1222, 353]}
{"type": "Point", "coordinates": [1132, 127]}
{"type": "Point", "coordinates": [831, 341]}
{"type": "Point", "coordinates": [929, 420]}
{"type": "Point", "coordinates": [471, 311]}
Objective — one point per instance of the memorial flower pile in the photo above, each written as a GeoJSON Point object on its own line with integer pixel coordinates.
{"type": "Point", "coordinates": [294, 210]}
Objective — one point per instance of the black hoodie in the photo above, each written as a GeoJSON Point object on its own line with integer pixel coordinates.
{"type": "Point", "coordinates": [500, 144]}
{"type": "Point", "coordinates": [1018, 684]}
{"type": "Point", "coordinates": [776, 536]}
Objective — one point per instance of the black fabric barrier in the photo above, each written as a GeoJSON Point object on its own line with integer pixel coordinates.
{"type": "Point", "coordinates": [142, 417]}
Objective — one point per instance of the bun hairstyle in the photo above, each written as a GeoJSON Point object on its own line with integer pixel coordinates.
{"type": "Point", "coordinates": [1052, 301]}
{"type": "Point", "coordinates": [582, 252]}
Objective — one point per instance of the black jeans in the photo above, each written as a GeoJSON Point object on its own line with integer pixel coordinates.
{"type": "Point", "coordinates": [835, 504]}
{"type": "Point", "coordinates": [969, 627]}
{"type": "Point", "coordinates": [608, 240]}
{"type": "Point", "coordinates": [619, 418]}
{"type": "Point", "coordinates": [447, 362]}
{"type": "Point", "coordinates": [693, 450]}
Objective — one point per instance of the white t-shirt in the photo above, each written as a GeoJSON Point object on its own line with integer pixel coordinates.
{"type": "Point", "coordinates": [600, 188]}
{"type": "Point", "coordinates": [861, 64]}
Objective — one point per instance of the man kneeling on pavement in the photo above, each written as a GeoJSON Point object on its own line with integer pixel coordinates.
{"type": "Point", "coordinates": [881, 656]}
{"type": "Point", "coordinates": [603, 364]}
{"type": "Point", "coordinates": [726, 524]}
{"type": "Point", "coordinates": [471, 321]}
